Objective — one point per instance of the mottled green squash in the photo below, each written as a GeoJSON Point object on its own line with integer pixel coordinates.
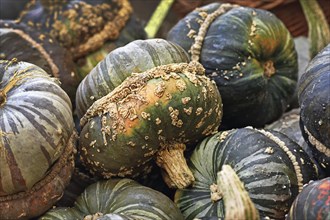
{"type": "Point", "coordinates": [118, 199]}
{"type": "Point", "coordinates": [151, 115]}
{"type": "Point", "coordinates": [135, 57]}
{"type": "Point", "coordinates": [250, 55]}
{"type": "Point", "coordinates": [37, 140]}
{"type": "Point", "coordinates": [88, 29]}
{"type": "Point", "coordinates": [24, 43]}
{"type": "Point", "coordinates": [314, 101]}
{"type": "Point", "coordinates": [312, 202]}
{"type": "Point", "coordinates": [272, 167]}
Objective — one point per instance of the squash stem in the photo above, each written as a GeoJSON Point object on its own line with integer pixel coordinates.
{"type": "Point", "coordinates": [318, 27]}
{"type": "Point", "coordinates": [176, 171]}
{"type": "Point", "coordinates": [237, 202]}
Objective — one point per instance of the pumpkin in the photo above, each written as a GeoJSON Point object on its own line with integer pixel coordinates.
{"type": "Point", "coordinates": [85, 27]}
{"type": "Point", "coordinates": [272, 167]}
{"type": "Point", "coordinates": [312, 202]}
{"type": "Point", "coordinates": [151, 115]}
{"type": "Point", "coordinates": [118, 199]}
{"type": "Point", "coordinates": [137, 56]}
{"type": "Point", "coordinates": [24, 43]}
{"type": "Point", "coordinates": [250, 55]}
{"type": "Point", "coordinates": [37, 140]}
{"type": "Point", "coordinates": [314, 101]}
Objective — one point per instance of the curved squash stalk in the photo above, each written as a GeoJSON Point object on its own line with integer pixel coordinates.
{"type": "Point", "coordinates": [238, 203]}
{"type": "Point", "coordinates": [318, 28]}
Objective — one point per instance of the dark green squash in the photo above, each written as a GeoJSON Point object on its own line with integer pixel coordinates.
{"type": "Point", "coordinates": [313, 202]}
{"type": "Point", "coordinates": [37, 140]}
{"type": "Point", "coordinates": [135, 57]}
{"type": "Point", "coordinates": [118, 199]}
{"type": "Point", "coordinates": [151, 115]}
{"type": "Point", "coordinates": [17, 40]}
{"type": "Point", "coordinates": [314, 101]}
{"type": "Point", "coordinates": [250, 55]}
{"type": "Point", "coordinates": [272, 167]}
{"type": "Point", "coordinates": [88, 29]}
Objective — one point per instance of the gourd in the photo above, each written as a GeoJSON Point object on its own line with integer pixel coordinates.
{"type": "Point", "coordinates": [272, 168]}
{"type": "Point", "coordinates": [88, 29]}
{"type": "Point", "coordinates": [314, 102]}
{"type": "Point", "coordinates": [312, 202]}
{"type": "Point", "coordinates": [24, 43]}
{"type": "Point", "coordinates": [37, 140]}
{"type": "Point", "coordinates": [250, 55]}
{"type": "Point", "coordinates": [118, 199]}
{"type": "Point", "coordinates": [151, 116]}
{"type": "Point", "coordinates": [137, 56]}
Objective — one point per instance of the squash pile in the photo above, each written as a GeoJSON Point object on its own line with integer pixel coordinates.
{"type": "Point", "coordinates": [99, 122]}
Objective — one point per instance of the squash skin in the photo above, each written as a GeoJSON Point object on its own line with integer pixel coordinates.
{"type": "Point", "coordinates": [40, 49]}
{"type": "Point", "coordinates": [235, 50]}
{"type": "Point", "coordinates": [255, 157]}
{"type": "Point", "coordinates": [119, 197]}
{"type": "Point", "coordinates": [149, 112]}
{"type": "Point", "coordinates": [135, 57]}
{"type": "Point", "coordinates": [314, 101]}
{"type": "Point", "coordinates": [37, 140]}
{"type": "Point", "coordinates": [312, 202]}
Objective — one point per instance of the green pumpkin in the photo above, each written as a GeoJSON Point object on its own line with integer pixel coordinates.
{"type": "Point", "coordinates": [272, 167]}
{"type": "Point", "coordinates": [88, 29]}
{"type": "Point", "coordinates": [312, 202]}
{"type": "Point", "coordinates": [151, 115]}
{"type": "Point", "coordinates": [24, 43]}
{"type": "Point", "coordinates": [250, 55]}
{"type": "Point", "coordinates": [135, 57]}
{"type": "Point", "coordinates": [118, 199]}
{"type": "Point", "coordinates": [37, 140]}
{"type": "Point", "coordinates": [314, 102]}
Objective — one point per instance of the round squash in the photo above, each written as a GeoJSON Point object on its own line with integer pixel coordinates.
{"type": "Point", "coordinates": [135, 57]}
{"type": "Point", "coordinates": [312, 202]}
{"type": "Point", "coordinates": [151, 115]}
{"type": "Point", "coordinates": [272, 167]}
{"type": "Point", "coordinates": [86, 28]}
{"type": "Point", "coordinates": [314, 101]}
{"type": "Point", "coordinates": [250, 55]}
{"type": "Point", "coordinates": [24, 43]}
{"type": "Point", "coordinates": [118, 199]}
{"type": "Point", "coordinates": [37, 140]}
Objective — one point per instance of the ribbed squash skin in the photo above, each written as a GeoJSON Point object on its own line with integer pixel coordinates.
{"type": "Point", "coordinates": [235, 52]}
{"type": "Point", "coordinates": [148, 112]}
{"type": "Point", "coordinates": [135, 57]}
{"type": "Point", "coordinates": [314, 101]}
{"type": "Point", "coordinates": [261, 163]}
{"type": "Point", "coordinates": [24, 43]}
{"type": "Point", "coordinates": [37, 137]}
{"type": "Point", "coordinates": [119, 199]}
{"type": "Point", "coordinates": [312, 202]}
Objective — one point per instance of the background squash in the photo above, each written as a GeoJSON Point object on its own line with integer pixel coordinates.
{"type": "Point", "coordinates": [37, 140]}
{"type": "Point", "coordinates": [272, 167]}
{"type": "Point", "coordinates": [314, 101]}
{"type": "Point", "coordinates": [250, 55]}
{"type": "Point", "coordinates": [118, 199]}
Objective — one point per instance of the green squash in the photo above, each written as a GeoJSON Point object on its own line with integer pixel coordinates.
{"type": "Point", "coordinates": [312, 202]}
{"type": "Point", "coordinates": [118, 199]}
{"type": "Point", "coordinates": [37, 140]}
{"type": "Point", "coordinates": [88, 29]}
{"type": "Point", "coordinates": [272, 167]}
{"type": "Point", "coordinates": [314, 101]}
{"type": "Point", "coordinates": [151, 115]}
{"type": "Point", "coordinates": [250, 55]}
{"type": "Point", "coordinates": [24, 43]}
{"type": "Point", "coordinates": [135, 57]}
